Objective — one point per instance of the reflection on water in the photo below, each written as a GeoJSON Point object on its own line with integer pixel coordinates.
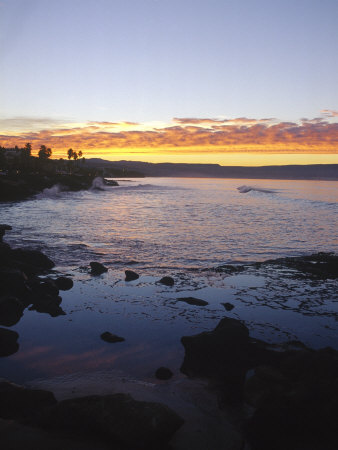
{"type": "Point", "coordinates": [180, 222]}
{"type": "Point", "coordinates": [175, 227]}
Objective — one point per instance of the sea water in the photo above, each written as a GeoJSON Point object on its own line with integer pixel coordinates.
{"type": "Point", "coordinates": [182, 228]}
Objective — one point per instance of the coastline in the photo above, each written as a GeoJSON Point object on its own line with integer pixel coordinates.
{"type": "Point", "coordinates": [193, 408]}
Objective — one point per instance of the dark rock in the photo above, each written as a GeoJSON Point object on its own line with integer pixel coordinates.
{"type": "Point", "coordinates": [117, 418]}
{"type": "Point", "coordinates": [228, 306]}
{"type": "Point", "coordinates": [131, 275]}
{"type": "Point", "coordinates": [31, 261]}
{"type": "Point", "coordinates": [17, 402]}
{"type": "Point", "coordinates": [47, 287]}
{"type": "Point", "coordinates": [225, 355]}
{"type": "Point", "coordinates": [168, 281]}
{"type": "Point", "coordinates": [47, 304]}
{"type": "Point", "coordinates": [97, 268]}
{"type": "Point", "coordinates": [110, 182]}
{"type": "Point", "coordinates": [8, 342]}
{"type": "Point", "coordinates": [319, 265]}
{"type": "Point", "coordinates": [229, 269]}
{"type": "Point", "coordinates": [296, 401]}
{"type": "Point", "coordinates": [64, 283]}
{"type": "Point", "coordinates": [163, 373]}
{"type": "Point", "coordinates": [11, 311]}
{"type": "Point", "coordinates": [16, 436]}
{"type": "Point", "coordinates": [3, 229]}
{"type": "Point", "coordinates": [112, 338]}
{"type": "Point", "coordinates": [193, 301]}
{"type": "Point", "coordinates": [13, 282]}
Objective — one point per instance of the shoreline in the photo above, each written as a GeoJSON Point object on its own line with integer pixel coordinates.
{"type": "Point", "coordinates": [177, 386]}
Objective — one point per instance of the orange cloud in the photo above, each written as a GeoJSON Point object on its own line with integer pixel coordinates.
{"type": "Point", "coordinates": [184, 135]}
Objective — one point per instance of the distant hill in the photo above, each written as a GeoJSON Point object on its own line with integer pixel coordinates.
{"type": "Point", "coordinates": [289, 172]}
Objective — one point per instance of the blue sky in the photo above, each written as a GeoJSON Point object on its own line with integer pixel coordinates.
{"type": "Point", "coordinates": [145, 60]}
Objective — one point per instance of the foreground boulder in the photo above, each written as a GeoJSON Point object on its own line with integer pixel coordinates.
{"type": "Point", "coordinates": [17, 402]}
{"type": "Point", "coordinates": [163, 373]}
{"type": "Point", "coordinates": [64, 283]}
{"type": "Point", "coordinates": [225, 355]}
{"type": "Point", "coordinates": [31, 261]}
{"type": "Point", "coordinates": [8, 342]}
{"type": "Point", "coordinates": [118, 419]}
{"type": "Point", "coordinates": [49, 304]}
{"type": "Point", "coordinates": [296, 401]}
{"type": "Point", "coordinates": [11, 311]}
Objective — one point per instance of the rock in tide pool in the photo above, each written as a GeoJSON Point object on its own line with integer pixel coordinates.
{"type": "Point", "coordinates": [131, 275]}
{"type": "Point", "coordinates": [163, 373]}
{"type": "Point", "coordinates": [117, 418]}
{"type": "Point", "coordinates": [97, 268]}
{"type": "Point", "coordinates": [167, 281]}
{"type": "Point", "coordinates": [193, 301]}
{"type": "Point", "coordinates": [64, 283]}
{"type": "Point", "coordinates": [8, 342]}
{"type": "Point", "coordinates": [228, 306]}
{"type": "Point", "coordinates": [111, 338]}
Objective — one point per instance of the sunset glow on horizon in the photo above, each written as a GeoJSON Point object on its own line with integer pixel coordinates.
{"type": "Point", "coordinates": [233, 82]}
{"type": "Point", "coordinates": [237, 141]}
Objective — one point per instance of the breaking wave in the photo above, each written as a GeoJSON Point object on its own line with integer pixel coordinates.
{"type": "Point", "coordinates": [244, 189]}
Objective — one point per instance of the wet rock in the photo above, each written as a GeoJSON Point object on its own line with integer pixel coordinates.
{"type": "Point", "coordinates": [193, 301]}
{"type": "Point", "coordinates": [131, 275]}
{"type": "Point", "coordinates": [64, 283]}
{"type": "Point", "coordinates": [296, 401]}
{"type": "Point", "coordinates": [163, 373]}
{"type": "Point", "coordinates": [225, 355]}
{"type": "Point", "coordinates": [17, 402]}
{"type": "Point", "coordinates": [8, 342]}
{"type": "Point", "coordinates": [319, 265]}
{"type": "Point", "coordinates": [16, 436]}
{"type": "Point", "coordinates": [117, 418]}
{"type": "Point", "coordinates": [228, 306]}
{"type": "Point", "coordinates": [11, 311]}
{"type": "Point", "coordinates": [229, 269]}
{"type": "Point", "coordinates": [48, 304]}
{"type": "Point", "coordinates": [167, 281]}
{"type": "Point", "coordinates": [112, 338]}
{"type": "Point", "coordinates": [97, 268]}
{"type": "Point", "coordinates": [3, 229]}
{"type": "Point", "coordinates": [13, 281]}
{"type": "Point", "coordinates": [31, 261]}
{"type": "Point", "coordinates": [46, 287]}
{"type": "Point", "coordinates": [110, 182]}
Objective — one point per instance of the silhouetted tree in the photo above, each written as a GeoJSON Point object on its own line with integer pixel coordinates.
{"type": "Point", "coordinates": [27, 150]}
{"type": "Point", "coordinates": [70, 153]}
{"type": "Point", "coordinates": [44, 152]}
{"type": "Point", "coordinates": [80, 154]}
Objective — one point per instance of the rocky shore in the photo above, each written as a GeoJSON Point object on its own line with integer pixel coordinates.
{"type": "Point", "coordinates": [277, 397]}
{"type": "Point", "coordinates": [23, 186]}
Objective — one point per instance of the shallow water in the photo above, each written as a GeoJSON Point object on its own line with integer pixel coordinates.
{"type": "Point", "coordinates": [179, 222]}
{"type": "Point", "coordinates": [178, 227]}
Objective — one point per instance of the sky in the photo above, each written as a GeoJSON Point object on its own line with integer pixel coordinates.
{"type": "Point", "coordinates": [245, 82]}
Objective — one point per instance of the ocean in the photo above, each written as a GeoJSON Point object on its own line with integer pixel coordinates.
{"type": "Point", "coordinates": [184, 228]}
